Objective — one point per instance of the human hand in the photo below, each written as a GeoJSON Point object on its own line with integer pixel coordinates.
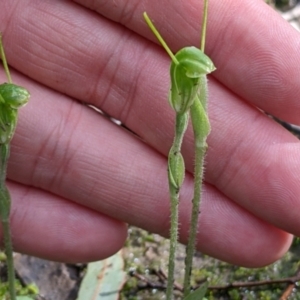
{"type": "Point", "coordinates": [75, 177]}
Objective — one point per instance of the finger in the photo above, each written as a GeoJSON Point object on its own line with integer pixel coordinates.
{"type": "Point", "coordinates": [264, 71]}
{"type": "Point", "coordinates": [247, 181]}
{"type": "Point", "coordinates": [153, 135]}
{"type": "Point", "coordinates": [113, 172]}
{"type": "Point", "coordinates": [48, 226]}
{"type": "Point", "coordinates": [264, 77]}
{"type": "Point", "coordinates": [246, 39]}
{"type": "Point", "coordinates": [254, 161]}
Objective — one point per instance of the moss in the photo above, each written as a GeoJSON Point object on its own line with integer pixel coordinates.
{"type": "Point", "coordinates": [205, 267]}
{"type": "Point", "coordinates": [31, 290]}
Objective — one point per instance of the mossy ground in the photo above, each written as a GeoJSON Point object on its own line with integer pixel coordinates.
{"type": "Point", "coordinates": [147, 252]}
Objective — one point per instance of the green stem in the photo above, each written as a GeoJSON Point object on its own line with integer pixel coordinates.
{"type": "Point", "coordinates": [159, 37]}
{"type": "Point", "coordinates": [198, 174]}
{"type": "Point", "coordinates": [4, 61]}
{"type": "Point", "coordinates": [10, 102]}
{"type": "Point", "coordinates": [201, 129]}
{"type": "Point", "coordinates": [204, 24]}
{"type": "Point", "coordinates": [173, 243]}
{"type": "Point", "coordinates": [5, 204]}
{"type": "Point", "coordinates": [176, 176]}
{"type": "Point", "coordinates": [9, 259]}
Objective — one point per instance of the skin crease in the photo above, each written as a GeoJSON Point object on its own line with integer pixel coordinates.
{"type": "Point", "coordinates": [76, 178]}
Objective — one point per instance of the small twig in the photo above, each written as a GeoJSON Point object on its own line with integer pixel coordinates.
{"type": "Point", "coordinates": [287, 292]}
{"type": "Point", "coordinates": [291, 280]}
{"type": "Point", "coordinates": [161, 275]}
{"type": "Point", "coordinates": [291, 286]}
{"type": "Point", "coordinates": [177, 286]}
{"type": "Point", "coordinates": [148, 284]}
{"type": "Point", "coordinates": [162, 278]}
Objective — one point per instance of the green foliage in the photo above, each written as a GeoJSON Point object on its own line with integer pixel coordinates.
{"type": "Point", "coordinates": [29, 291]}
{"type": "Point", "coordinates": [187, 97]}
{"type": "Point", "coordinates": [12, 97]}
{"type": "Point", "coordinates": [103, 279]}
{"type": "Point", "coordinates": [198, 294]}
{"type": "Point", "coordinates": [215, 272]}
